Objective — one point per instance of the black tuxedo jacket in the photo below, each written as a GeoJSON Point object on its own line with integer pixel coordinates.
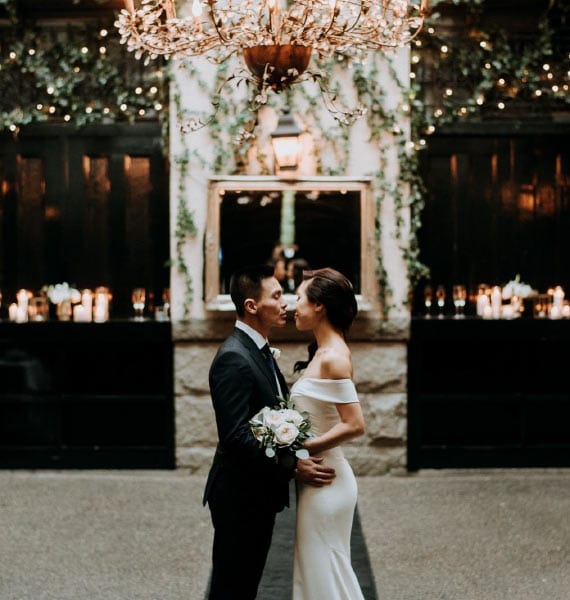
{"type": "Point", "coordinates": [241, 384]}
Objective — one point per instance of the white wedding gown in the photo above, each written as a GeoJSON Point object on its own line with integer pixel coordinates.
{"type": "Point", "coordinates": [323, 570]}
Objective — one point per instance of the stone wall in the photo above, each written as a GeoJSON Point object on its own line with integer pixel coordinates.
{"type": "Point", "coordinates": [380, 369]}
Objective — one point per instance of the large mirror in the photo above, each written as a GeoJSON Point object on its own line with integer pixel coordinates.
{"type": "Point", "coordinates": [303, 224]}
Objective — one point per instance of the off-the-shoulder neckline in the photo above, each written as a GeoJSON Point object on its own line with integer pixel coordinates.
{"type": "Point", "coordinates": [323, 379]}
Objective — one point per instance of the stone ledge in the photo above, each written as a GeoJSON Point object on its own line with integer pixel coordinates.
{"type": "Point", "coordinates": [219, 326]}
{"type": "Point", "coordinates": [195, 422]}
{"type": "Point", "coordinates": [197, 460]}
{"type": "Point", "coordinates": [367, 461]}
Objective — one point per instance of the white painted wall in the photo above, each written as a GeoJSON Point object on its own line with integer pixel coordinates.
{"type": "Point", "coordinates": [364, 160]}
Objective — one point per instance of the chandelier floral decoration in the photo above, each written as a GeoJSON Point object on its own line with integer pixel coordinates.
{"type": "Point", "coordinates": [275, 37]}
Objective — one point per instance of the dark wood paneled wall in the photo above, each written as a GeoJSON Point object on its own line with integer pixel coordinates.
{"type": "Point", "coordinates": [87, 207]}
{"type": "Point", "coordinates": [497, 205]}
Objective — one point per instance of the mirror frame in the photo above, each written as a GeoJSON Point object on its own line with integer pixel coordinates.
{"type": "Point", "coordinates": [215, 301]}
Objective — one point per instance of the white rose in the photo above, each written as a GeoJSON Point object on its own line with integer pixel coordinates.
{"type": "Point", "coordinates": [275, 352]}
{"type": "Point", "coordinates": [273, 419]}
{"type": "Point", "coordinates": [292, 416]}
{"type": "Point", "coordinates": [286, 434]}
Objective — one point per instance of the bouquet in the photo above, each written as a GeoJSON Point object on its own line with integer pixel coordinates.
{"type": "Point", "coordinates": [282, 431]}
{"type": "Point", "coordinates": [515, 287]}
{"type": "Point", "coordinates": [62, 292]}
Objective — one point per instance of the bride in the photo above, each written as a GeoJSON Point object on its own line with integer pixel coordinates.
{"type": "Point", "coordinates": [326, 306]}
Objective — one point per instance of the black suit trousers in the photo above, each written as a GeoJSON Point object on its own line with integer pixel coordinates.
{"type": "Point", "coordinates": [242, 536]}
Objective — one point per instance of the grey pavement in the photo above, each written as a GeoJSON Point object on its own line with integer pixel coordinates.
{"type": "Point", "coordinates": [134, 535]}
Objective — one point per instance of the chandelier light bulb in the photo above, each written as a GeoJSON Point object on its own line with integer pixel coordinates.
{"type": "Point", "coordinates": [197, 8]}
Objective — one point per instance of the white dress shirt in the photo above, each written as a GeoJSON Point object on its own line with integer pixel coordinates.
{"type": "Point", "coordinates": [259, 341]}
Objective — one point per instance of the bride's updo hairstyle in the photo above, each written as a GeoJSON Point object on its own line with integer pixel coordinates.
{"type": "Point", "coordinates": [335, 292]}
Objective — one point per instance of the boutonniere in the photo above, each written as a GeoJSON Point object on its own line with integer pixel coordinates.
{"type": "Point", "coordinates": [275, 352]}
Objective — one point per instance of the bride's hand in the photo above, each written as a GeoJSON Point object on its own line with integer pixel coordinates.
{"type": "Point", "coordinates": [312, 472]}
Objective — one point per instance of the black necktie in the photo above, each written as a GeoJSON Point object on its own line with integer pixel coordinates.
{"type": "Point", "coordinates": [270, 363]}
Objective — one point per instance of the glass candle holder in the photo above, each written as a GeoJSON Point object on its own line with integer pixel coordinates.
{"type": "Point", "coordinates": [459, 300]}
{"type": "Point", "coordinates": [440, 297]}
{"type": "Point", "coordinates": [428, 300]}
{"type": "Point", "coordinates": [138, 298]}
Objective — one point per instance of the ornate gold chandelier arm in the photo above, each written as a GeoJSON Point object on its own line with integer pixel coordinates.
{"type": "Point", "coordinates": [347, 27]}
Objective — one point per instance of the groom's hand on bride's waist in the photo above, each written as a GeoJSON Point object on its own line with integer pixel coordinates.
{"type": "Point", "coordinates": [312, 472]}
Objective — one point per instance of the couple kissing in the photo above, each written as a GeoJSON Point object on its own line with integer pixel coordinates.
{"type": "Point", "coordinates": [246, 488]}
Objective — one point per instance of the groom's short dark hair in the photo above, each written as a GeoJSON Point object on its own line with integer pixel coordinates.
{"type": "Point", "coordinates": [246, 283]}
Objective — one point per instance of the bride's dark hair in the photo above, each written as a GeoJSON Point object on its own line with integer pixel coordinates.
{"type": "Point", "coordinates": [335, 292]}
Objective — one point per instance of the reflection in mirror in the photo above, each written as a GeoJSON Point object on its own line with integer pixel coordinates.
{"type": "Point", "coordinates": [323, 228]}
{"type": "Point", "coordinates": [306, 224]}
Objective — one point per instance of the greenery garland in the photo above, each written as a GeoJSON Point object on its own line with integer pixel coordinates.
{"type": "Point", "coordinates": [77, 75]}
{"type": "Point", "coordinates": [483, 72]}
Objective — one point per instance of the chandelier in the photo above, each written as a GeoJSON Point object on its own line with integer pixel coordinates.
{"type": "Point", "coordinates": [276, 38]}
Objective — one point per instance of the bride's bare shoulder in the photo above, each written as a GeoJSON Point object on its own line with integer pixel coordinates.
{"type": "Point", "coordinates": [336, 364]}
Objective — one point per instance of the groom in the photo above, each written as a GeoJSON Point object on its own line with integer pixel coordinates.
{"type": "Point", "coordinates": [245, 489]}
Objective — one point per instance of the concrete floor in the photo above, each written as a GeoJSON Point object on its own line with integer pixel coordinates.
{"type": "Point", "coordinates": [133, 535]}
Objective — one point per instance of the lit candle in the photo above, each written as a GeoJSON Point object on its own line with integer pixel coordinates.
{"type": "Point", "coordinates": [555, 312]}
{"type": "Point", "coordinates": [508, 311]}
{"type": "Point", "coordinates": [13, 311]}
{"type": "Point", "coordinates": [496, 302]}
{"type": "Point", "coordinates": [566, 310]}
{"type": "Point", "coordinates": [101, 311]}
{"type": "Point", "coordinates": [21, 314]}
{"type": "Point", "coordinates": [22, 297]}
{"type": "Point", "coordinates": [482, 302]}
{"type": "Point", "coordinates": [80, 314]}
{"type": "Point", "coordinates": [487, 312]}
{"type": "Point", "coordinates": [558, 297]}
{"type": "Point", "coordinates": [99, 315]}
{"type": "Point", "coordinates": [87, 303]}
